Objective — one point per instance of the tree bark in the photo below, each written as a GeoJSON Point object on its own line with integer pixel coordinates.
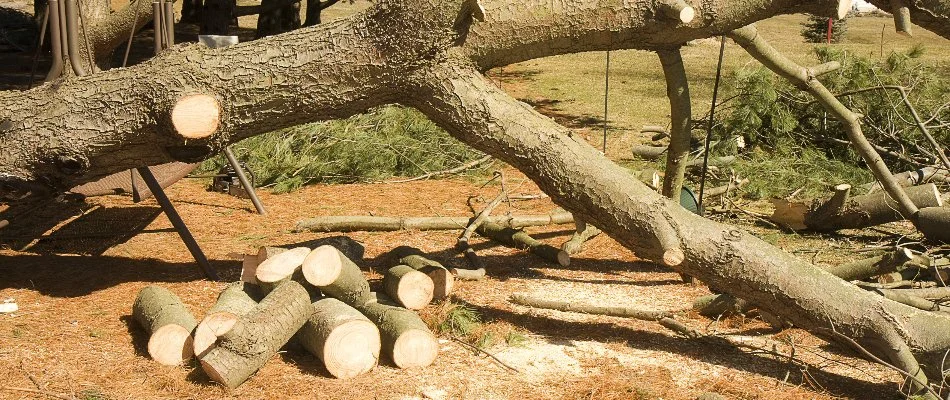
{"type": "Point", "coordinates": [935, 223]}
{"type": "Point", "coordinates": [411, 288]}
{"type": "Point", "coordinates": [677, 90]}
{"type": "Point", "coordinates": [257, 336]}
{"type": "Point", "coordinates": [236, 300]}
{"type": "Point", "coordinates": [441, 277]}
{"type": "Point", "coordinates": [168, 323]}
{"type": "Point", "coordinates": [345, 340]}
{"type": "Point", "coordinates": [475, 111]}
{"type": "Point", "coordinates": [842, 211]}
{"type": "Point", "coordinates": [519, 239]}
{"type": "Point", "coordinates": [382, 224]}
{"type": "Point", "coordinates": [406, 340]}
{"type": "Point", "coordinates": [613, 311]}
{"type": "Point", "coordinates": [582, 233]}
{"type": "Point", "coordinates": [336, 276]}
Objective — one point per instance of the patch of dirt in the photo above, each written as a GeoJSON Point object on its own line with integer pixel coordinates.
{"type": "Point", "coordinates": [73, 333]}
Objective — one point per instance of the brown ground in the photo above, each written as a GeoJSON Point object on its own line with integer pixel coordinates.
{"type": "Point", "coordinates": [73, 334]}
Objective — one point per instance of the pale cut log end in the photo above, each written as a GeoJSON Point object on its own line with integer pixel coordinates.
{"type": "Point", "coordinates": [415, 290]}
{"type": "Point", "coordinates": [249, 268]}
{"type": "Point", "coordinates": [673, 257]}
{"type": "Point", "coordinates": [281, 266]}
{"type": "Point", "coordinates": [937, 196]}
{"type": "Point", "coordinates": [196, 116]}
{"type": "Point", "coordinates": [563, 258]}
{"type": "Point", "coordinates": [443, 282]}
{"type": "Point", "coordinates": [687, 14]}
{"type": "Point", "coordinates": [352, 349]}
{"type": "Point", "coordinates": [322, 266]}
{"type": "Point", "coordinates": [844, 7]}
{"type": "Point", "coordinates": [210, 329]}
{"type": "Point", "coordinates": [415, 348]}
{"type": "Point", "coordinates": [171, 345]}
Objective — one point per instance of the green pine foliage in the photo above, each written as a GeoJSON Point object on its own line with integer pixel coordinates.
{"type": "Point", "coordinates": [815, 29]}
{"type": "Point", "coordinates": [794, 143]}
{"type": "Point", "coordinates": [385, 142]}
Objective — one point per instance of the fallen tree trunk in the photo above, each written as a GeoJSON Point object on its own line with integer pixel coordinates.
{"type": "Point", "coordinates": [411, 288]}
{"type": "Point", "coordinates": [868, 267]}
{"type": "Point", "coordinates": [519, 239]}
{"type": "Point", "coordinates": [168, 324]}
{"type": "Point", "coordinates": [442, 279]}
{"type": "Point", "coordinates": [336, 276]}
{"type": "Point", "coordinates": [845, 212]}
{"type": "Point", "coordinates": [406, 340]}
{"type": "Point", "coordinates": [257, 336]}
{"type": "Point", "coordinates": [236, 300]}
{"type": "Point", "coordinates": [345, 340]}
{"type": "Point", "coordinates": [383, 224]}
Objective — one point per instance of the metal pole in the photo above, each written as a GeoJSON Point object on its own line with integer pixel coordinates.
{"type": "Point", "coordinates": [606, 92]}
{"type": "Point", "coordinates": [248, 187]}
{"type": "Point", "coordinates": [709, 126]}
{"type": "Point", "coordinates": [157, 26]}
{"type": "Point", "coordinates": [169, 24]}
{"type": "Point", "coordinates": [176, 221]}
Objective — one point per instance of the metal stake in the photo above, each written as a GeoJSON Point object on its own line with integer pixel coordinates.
{"type": "Point", "coordinates": [244, 182]}
{"type": "Point", "coordinates": [177, 222]}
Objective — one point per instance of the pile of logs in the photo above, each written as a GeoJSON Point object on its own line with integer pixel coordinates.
{"type": "Point", "coordinates": [317, 297]}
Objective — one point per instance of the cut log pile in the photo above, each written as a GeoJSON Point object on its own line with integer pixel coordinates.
{"type": "Point", "coordinates": [317, 297]}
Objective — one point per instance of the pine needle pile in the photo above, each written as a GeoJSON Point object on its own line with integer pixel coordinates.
{"type": "Point", "coordinates": [385, 142]}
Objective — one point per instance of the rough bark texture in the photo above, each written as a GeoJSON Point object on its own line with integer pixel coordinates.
{"type": "Point", "coordinates": [168, 323]}
{"type": "Point", "coordinates": [868, 267]}
{"type": "Point", "coordinates": [258, 335]}
{"type": "Point", "coordinates": [934, 223]}
{"type": "Point", "coordinates": [236, 300]}
{"type": "Point", "coordinates": [582, 233]}
{"type": "Point", "coordinates": [677, 90]}
{"type": "Point", "coordinates": [345, 340]}
{"type": "Point", "coordinates": [406, 340]}
{"type": "Point", "coordinates": [844, 212]}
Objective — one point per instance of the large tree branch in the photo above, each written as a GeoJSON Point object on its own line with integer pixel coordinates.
{"type": "Point", "coordinates": [933, 15]}
{"type": "Point", "coordinates": [583, 181]}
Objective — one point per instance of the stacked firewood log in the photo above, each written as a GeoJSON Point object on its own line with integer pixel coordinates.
{"type": "Point", "coordinates": [318, 297]}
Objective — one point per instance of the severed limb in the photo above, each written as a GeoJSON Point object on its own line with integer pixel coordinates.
{"type": "Point", "coordinates": [477, 270]}
{"type": "Point", "coordinates": [806, 79]}
{"type": "Point", "coordinates": [580, 179]}
{"type": "Point", "coordinates": [677, 90]}
{"type": "Point", "coordinates": [583, 232]}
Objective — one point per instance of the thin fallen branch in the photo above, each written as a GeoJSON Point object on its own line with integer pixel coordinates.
{"type": "Point", "coordinates": [612, 311]}
{"type": "Point", "coordinates": [582, 233]}
{"type": "Point", "coordinates": [40, 392]}
{"type": "Point", "coordinates": [463, 245]}
{"type": "Point", "coordinates": [451, 171]}
{"type": "Point", "coordinates": [352, 223]}
{"type": "Point", "coordinates": [485, 352]}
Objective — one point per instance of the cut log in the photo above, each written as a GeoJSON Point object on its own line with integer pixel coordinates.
{"type": "Point", "coordinates": [196, 116]}
{"type": "Point", "coordinates": [411, 288]}
{"type": "Point", "coordinates": [346, 223]}
{"type": "Point", "coordinates": [613, 311]}
{"type": "Point", "coordinates": [279, 267]}
{"type": "Point", "coordinates": [937, 293]}
{"type": "Point", "coordinates": [257, 336]}
{"type": "Point", "coordinates": [441, 277]}
{"type": "Point", "coordinates": [583, 232]}
{"type": "Point", "coordinates": [345, 340]}
{"type": "Point", "coordinates": [648, 152]}
{"type": "Point", "coordinates": [336, 276]}
{"type": "Point", "coordinates": [721, 190]}
{"type": "Point", "coordinates": [168, 323]}
{"type": "Point", "coordinates": [714, 305]}
{"type": "Point", "coordinates": [712, 162]}
{"type": "Point", "coordinates": [519, 239]}
{"type": "Point", "coordinates": [678, 10]}
{"type": "Point", "coordinates": [901, 14]}
{"type": "Point", "coordinates": [406, 340]}
{"type": "Point", "coordinates": [236, 300]}
{"type": "Point", "coordinates": [934, 223]}
{"type": "Point", "coordinates": [844, 212]}
{"type": "Point", "coordinates": [866, 268]}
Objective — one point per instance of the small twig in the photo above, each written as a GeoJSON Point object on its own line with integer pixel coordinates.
{"type": "Point", "coordinates": [450, 171]}
{"type": "Point", "coordinates": [483, 351]}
